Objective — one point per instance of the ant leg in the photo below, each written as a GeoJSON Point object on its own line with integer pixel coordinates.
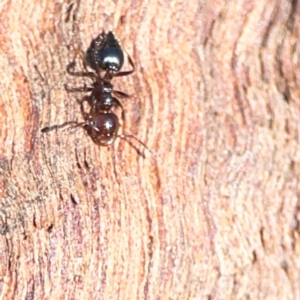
{"type": "Point", "coordinates": [125, 73]}
{"type": "Point", "coordinates": [125, 136]}
{"type": "Point", "coordinates": [121, 94]}
{"type": "Point", "coordinates": [70, 70]}
{"type": "Point", "coordinates": [86, 115]}
{"type": "Point", "coordinates": [82, 124]}
{"type": "Point", "coordinates": [119, 104]}
{"type": "Point", "coordinates": [74, 123]}
{"type": "Point", "coordinates": [84, 89]}
{"type": "Point", "coordinates": [114, 162]}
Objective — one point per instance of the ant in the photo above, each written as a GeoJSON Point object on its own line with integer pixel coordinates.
{"type": "Point", "coordinates": [101, 123]}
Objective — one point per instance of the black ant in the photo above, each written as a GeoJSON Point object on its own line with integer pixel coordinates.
{"type": "Point", "coordinates": [101, 123]}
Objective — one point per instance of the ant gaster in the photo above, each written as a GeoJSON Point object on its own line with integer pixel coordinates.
{"type": "Point", "coordinates": [102, 125]}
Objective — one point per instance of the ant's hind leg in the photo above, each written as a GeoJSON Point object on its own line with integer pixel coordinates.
{"type": "Point", "coordinates": [127, 137]}
{"type": "Point", "coordinates": [66, 125]}
{"type": "Point", "coordinates": [114, 163]}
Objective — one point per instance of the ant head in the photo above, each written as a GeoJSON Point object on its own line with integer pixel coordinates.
{"type": "Point", "coordinates": [105, 53]}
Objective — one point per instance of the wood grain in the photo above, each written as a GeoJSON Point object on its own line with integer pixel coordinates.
{"type": "Point", "coordinates": [215, 96]}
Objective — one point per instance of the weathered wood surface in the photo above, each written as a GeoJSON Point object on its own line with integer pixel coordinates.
{"type": "Point", "coordinates": [215, 95]}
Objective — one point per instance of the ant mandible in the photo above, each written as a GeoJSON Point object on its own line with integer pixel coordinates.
{"type": "Point", "coordinates": [101, 123]}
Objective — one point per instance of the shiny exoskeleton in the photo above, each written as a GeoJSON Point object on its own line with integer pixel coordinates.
{"type": "Point", "coordinates": [101, 123]}
{"type": "Point", "coordinates": [105, 53]}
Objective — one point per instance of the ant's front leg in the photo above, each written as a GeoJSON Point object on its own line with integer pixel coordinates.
{"type": "Point", "coordinates": [83, 89]}
{"type": "Point", "coordinates": [70, 70]}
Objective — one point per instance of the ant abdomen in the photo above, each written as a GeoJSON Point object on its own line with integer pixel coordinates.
{"type": "Point", "coordinates": [103, 128]}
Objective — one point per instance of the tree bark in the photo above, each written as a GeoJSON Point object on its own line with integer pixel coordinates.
{"type": "Point", "coordinates": [215, 95]}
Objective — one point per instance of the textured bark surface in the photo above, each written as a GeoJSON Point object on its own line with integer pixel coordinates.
{"type": "Point", "coordinates": [215, 96]}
